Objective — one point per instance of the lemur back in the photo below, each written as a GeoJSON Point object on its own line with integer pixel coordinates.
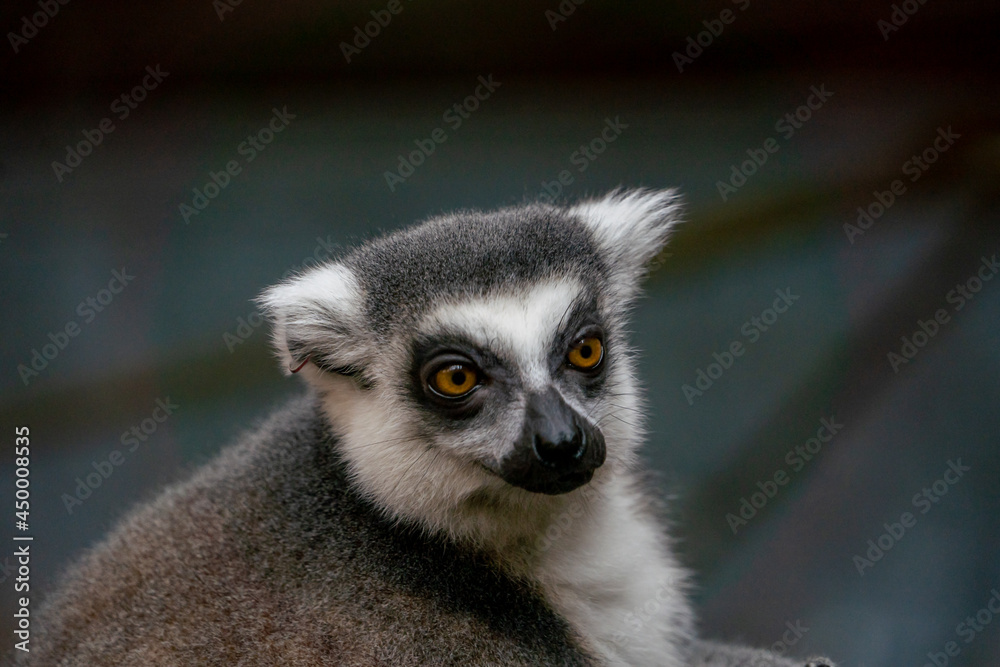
{"type": "Point", "coordinates": [458, 486]}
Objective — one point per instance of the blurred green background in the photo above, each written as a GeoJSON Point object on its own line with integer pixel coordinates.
{"type": "Point", "coordinates": [182, 331]}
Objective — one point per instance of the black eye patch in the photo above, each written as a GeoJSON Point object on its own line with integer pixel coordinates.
{"type": "Point", "coordinates": [581, 320]}
{"type": "Point", "coordinates": [432, 355]}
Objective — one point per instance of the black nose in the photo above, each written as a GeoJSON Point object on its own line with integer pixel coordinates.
{"type": "Point", "coordinates": [562, 449]}
{"type": "Point", "coordinates": [558, 450]}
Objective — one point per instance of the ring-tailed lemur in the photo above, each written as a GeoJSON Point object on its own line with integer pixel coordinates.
{"type": "Point", "coordinates": [457, 488]}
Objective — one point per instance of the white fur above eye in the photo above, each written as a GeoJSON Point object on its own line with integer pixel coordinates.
{"type": "Point", "coordinates": [522, 323]}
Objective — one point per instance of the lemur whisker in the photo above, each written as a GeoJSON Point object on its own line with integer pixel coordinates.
{"type": "Point", "coordinates": [419, 455]}
{"type": "Point", "coordinates": [628, 423]}
{"type": "Point", "coordinates": [626, 407]}
{"type": "Point", "coordinates": [398, 440]}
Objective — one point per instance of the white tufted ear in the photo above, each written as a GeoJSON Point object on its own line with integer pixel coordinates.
{"type": "Point", "coordinates": [317, 316]}
{"type": "Point", "coordinates": [631, 226]}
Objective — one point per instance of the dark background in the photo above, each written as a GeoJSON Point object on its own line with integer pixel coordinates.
{"type": "Point", "coordinates": [170, 333]}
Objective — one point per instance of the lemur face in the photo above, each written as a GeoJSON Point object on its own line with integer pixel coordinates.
{"type": "Point", "coordinates": [516, 382]}
{"type": "Point", "coordinates": [479, 352]}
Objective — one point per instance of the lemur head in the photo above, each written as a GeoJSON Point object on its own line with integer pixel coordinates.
{"type": "Point", "coordinates": [478, 361]}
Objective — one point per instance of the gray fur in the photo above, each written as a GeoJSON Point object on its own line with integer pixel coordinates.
{"type": "Point", "coordinates": [362, 525]}
{"type": "Point", "coordinates": [470, 253]}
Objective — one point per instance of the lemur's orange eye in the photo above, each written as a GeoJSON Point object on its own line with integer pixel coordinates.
{"type": "Point", "coordinates": [454, 380]}
{"type": "Point", "coordinates": [586, 353]}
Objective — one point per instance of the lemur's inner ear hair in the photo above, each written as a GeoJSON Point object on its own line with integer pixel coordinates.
{"type": "Point", "coordinates": [631, 226]}
{"type": "Point", "coordinates": [317, 318]}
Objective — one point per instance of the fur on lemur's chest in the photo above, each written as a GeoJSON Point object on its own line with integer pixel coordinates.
{"type": "Point", "coordinates": [582, 599]}
{"type": "Point", "coordinates": [406, 588]}
{"type": "Point", "coordinates": [598, 576]}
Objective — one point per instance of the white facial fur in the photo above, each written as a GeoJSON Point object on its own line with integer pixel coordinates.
{"type": "Point", "coordinates": [521, 324]}
{"type": "Point", "coordinates": [430, 479]}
